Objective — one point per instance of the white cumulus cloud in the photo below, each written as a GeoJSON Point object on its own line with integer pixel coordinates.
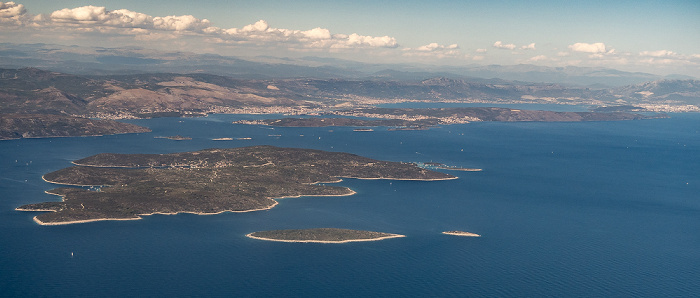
{"type": "Point", "coordinates": [180, 23]}
{"type": "Point", "coordinates": [140, 26]}
{"type": "Point", "coordinates": [11, 9]}
{"type": "Point", "coordinates": [262, 32]}
{"type": "Point", "coordinates": [434, 50]}
{"type": "Point", "coordinates": [431, 47]}
{"type": "Point", "coordinates": [98, 16]}
{"type": "Point", "coordinates": [595, 48]}
{"type": "Point", "coordinates": [528, 47]}
{"type": "Point", "coordinates": [500, 45]}
{"type": "Point", "coordinates": [538, 58]}
{"type": "Point", "coordinates": [12, 13]}
{"type": "Point", "coordinates": [259, 26]}
{"type": "Point", "coordinates": [660, 53]}
{"type": "Point", "coordinates": [132, 19]}
{"type": "Point", "coordinates": [85, 14]}
{"type": "Point", "coordinates": [360, 40]}
{"type": "Point", "coordinates": [317, 33]}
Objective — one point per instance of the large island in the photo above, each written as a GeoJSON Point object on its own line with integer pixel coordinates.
{"type": "Point", "coordinates": [128, 186]}
{"type": "Point", "coordinates": [407, 118]}
{"type": "Point", "coordinates": [321, 235]}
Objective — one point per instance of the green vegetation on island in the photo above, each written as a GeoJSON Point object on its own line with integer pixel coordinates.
{"type": "Point", "coordinates": [207, 181]}
{"type": "Point", "coordinates": [321, 235]}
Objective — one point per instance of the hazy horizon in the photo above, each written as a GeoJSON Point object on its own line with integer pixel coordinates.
{"type": "Point", "coordinates": [651, 37]}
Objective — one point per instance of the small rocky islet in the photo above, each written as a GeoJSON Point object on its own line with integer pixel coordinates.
{"type": "Point", "coordinates": [321, 235]}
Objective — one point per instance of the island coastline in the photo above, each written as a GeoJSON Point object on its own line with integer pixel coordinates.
{"type": "Point", "coordinates": [140, 216]}
{"type": "Point", "coordinates": [129, 186]}
{"type": "Point", "coordinates": [460, 169]}
{"type": "Point", "coordinates": [376, 236]}
{"type": "Point", "coordinates": [461, 233]}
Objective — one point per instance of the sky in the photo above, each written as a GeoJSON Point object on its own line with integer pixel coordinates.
{"type": "Point", "coordinates": [659, 37]}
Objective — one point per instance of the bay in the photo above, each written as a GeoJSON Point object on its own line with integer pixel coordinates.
{"type": "Point", "coordinates": [565, 209]}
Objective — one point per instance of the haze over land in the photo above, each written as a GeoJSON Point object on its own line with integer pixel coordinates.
{"type": "Point", "coordinates": [142, 60]}
{"type": "Point", "coordinates": [269, 56]}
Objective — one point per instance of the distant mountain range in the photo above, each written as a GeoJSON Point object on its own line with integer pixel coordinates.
{"type": "Point", "coordinates": [112, 61]}
{"type": "Point", "coordinates": [31, 90]}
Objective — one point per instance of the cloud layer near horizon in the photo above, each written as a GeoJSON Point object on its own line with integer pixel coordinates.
{"type": "Point", "coordinates": [122, 21]}
{"type": "Point", "coordinates": [127, 27]}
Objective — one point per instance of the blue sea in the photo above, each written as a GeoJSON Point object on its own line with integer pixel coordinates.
{"type": "Point", "coordinates": [589, 209]}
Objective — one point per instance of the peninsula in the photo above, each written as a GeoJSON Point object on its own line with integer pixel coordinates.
{"type": "Point", "coordinates": [324, 122]}
{"type": "Point", "coordinates": [208, 181]}
{"type": "Point", "coordinates": [17, 126]}
{"type": "Point", "coordinates": [321, 235]}
{"type": "Point", "coordinates": [474, 114]}
{"type": "Point", "coordinates": [437, 165]}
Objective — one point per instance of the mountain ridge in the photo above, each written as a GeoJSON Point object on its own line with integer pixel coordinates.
{"type": "Point", "coordinates": [32, 90]}
{"type": "Point", "coordinates": [133, 60]}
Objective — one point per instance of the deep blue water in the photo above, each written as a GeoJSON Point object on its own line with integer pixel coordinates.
{"type": "Point", "coordinates": [565, 209]}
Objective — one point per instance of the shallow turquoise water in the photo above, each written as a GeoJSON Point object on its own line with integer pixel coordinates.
{"type": "Point", "coordinates": [565, 209]}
